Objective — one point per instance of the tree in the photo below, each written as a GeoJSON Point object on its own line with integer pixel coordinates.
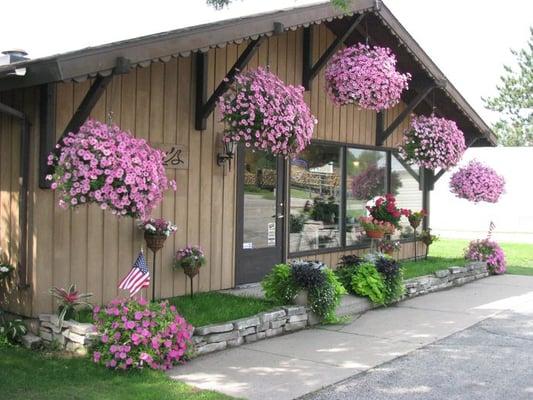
{"type": "Point", "coordinates": [515, 100]}
{"type": "Point", "coordinates": [219, 4]}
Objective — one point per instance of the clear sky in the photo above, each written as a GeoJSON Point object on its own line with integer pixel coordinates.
{"type": "Point", "coordinates": [468, 39]}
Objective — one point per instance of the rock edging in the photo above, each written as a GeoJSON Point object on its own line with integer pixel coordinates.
{"type": "Point", "coordinates": [445, 278]}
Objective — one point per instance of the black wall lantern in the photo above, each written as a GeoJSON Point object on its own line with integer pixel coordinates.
{"type": "Point", "coordinates": [227, 155]}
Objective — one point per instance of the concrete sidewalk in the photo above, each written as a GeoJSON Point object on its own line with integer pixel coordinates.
{"type": "Point", "coordinates": [293, 365]}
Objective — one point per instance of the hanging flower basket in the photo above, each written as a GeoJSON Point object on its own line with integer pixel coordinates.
{"type": "Point", "coordinates": [264, 113]}
{"type": "Point", "coordinates": [154, 241]}
{"type": "Point", "coordinates": [365, 76]}
{"type": "Point", "coordinates": [477, 182]}
{"type": "Point", "coordinates": [432, 142]}
{"type": "Point", "coordinates": [104, 165]}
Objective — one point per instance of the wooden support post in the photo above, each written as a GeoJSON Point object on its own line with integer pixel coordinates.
{"type": "Point", "coordinates": [79, 117]}
{"type": "Point", "coordinates": [427, 186]}
{"type": "Point", "coordinates": [47, 120]}
{"type": "Point", "coordinates": [24, 174]}
{"type": "Point", "coordinates": [381, 136]}
{"type": "Point", "coordinates": [205, 107]}
{"type": "Point", "coordinates": [309, 72]}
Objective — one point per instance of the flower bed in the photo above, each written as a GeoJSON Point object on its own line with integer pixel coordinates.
{"type": "Point", "coordinates": [104, 165]}
{"type": "Point", "coordinates": [488, 251]}
{"type": "Point", "coordinates": [264, 113]}
{"type": "Point", "coordinates": [365, 76]}
{"type": "Point", "coordinates": [432, 143]}
{"type": "Point", "coordinates": [477, 182]}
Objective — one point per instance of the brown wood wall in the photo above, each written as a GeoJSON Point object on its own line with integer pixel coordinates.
{"type": "Point", "coordinates": [94, 249]}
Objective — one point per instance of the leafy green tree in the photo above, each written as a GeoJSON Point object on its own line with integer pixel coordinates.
{"type": "Point", "coordinates": [515, 100]}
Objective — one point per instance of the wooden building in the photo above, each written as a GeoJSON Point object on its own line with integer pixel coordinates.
{"type": "Point", "coordinates": [162, 87]}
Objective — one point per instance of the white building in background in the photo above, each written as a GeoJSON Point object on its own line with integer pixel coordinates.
{"type": "Point", "coordinates": [452, 217]}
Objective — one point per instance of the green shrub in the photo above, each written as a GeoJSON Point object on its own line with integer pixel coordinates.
{"type": "Point", "coordinates": [323, 288]}
{"type": "Point", "coordinates": [279, 286]}
{"type": "Point", "coordinates": [11, 332]}
{"type": "Point", "coordinates": [297, 222]}
{"type": "Point", "coordinates": [346, 269]}
{"type": "Point", "coordinates": [368, 282]}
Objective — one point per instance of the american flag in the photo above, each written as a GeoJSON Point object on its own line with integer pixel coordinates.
{"type": "Point", "coordinates": [138, 277]}
{"type": "Point", "coordinates": [491, 229]}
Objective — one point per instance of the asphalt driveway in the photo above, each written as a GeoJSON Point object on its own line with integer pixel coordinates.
{"type": "Point", "coordinates": [491, 360]}
{"type": "Point", "coordinates": [395, 351]}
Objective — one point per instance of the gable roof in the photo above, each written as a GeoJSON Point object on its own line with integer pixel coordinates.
{"type": "Point", "coordinates": [142, 51]}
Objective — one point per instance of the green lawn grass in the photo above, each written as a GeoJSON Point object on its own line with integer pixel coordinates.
{"type": "Point", "coordinates": [212, 307]}
{"type": "Point", "coordinates": [36, 375]}
{"type": "Point", "coordinates": [449, 252]}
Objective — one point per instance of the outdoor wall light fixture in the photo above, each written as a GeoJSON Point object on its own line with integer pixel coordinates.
{"type": "Point", "coordinates": [227, 155]}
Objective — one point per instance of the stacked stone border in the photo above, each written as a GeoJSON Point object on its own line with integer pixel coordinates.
{"type": "Point", "coordinates": [77, 337]}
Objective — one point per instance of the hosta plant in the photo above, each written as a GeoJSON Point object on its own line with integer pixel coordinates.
{"type": "Point", "coordinates": [11, 331]}
{"type": "Point", "coordinates": [365, 76]}
{"type": "Point", "coordinates": [264, 113]}
{"type": "Point", "coordinates": [69, 301]}
{"type": "Point", "coordinates": [323, 288]}
{"type": "Point", "coordinates": [489, 251]}
{"type": "Point", "coordinates": [137, 334]}
{"type": "Point", "coordinates": [105, 165]}
{"type": "Point", "coordinates": [477, 182]}
{"type": "Point", "coordinates": [432, 142]}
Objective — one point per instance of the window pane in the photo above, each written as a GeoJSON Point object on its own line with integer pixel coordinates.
{"type": "Point", "coordinates": [408, 196]}
{"type": "Point", "coordinates": [260, 177]}
{"type": "Point", "coordinates": [315, 197]}
{"type": "Point", "coordinates": [365, 179]}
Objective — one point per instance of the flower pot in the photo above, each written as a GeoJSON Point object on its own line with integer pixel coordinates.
{"type": "Point", "coordinates": [375, 234]}
{"type": "Point", "coordinates": [191, 270]}
{"type": "Point", "coordinates": [414, 224]}
{"type": "Point", "coordinates": [154, 241]}
{"type": "Point", "coordinates": [301, 298]}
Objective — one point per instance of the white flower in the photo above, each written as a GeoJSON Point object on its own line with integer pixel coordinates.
{"type": "Point", "coordinates": [150, 227]}
{"type": "Point", "coordinates": [4, 269]}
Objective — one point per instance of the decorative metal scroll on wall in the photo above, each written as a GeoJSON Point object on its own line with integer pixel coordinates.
{"type": "Point", "coordinates": [176, 155]}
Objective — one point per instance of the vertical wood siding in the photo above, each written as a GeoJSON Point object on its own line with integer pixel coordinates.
{"type": "Point", "coordinates": [94, 249]}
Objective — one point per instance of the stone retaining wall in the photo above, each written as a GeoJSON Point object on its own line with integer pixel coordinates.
{"type": "Point", "coordinates": [251, 329]}
{"type": "Point", "coordinates": [445, 278]}
{"type": "Point", "coordinates": [72, 336]}
{"type": "Point", "coordinates": [77, 337]}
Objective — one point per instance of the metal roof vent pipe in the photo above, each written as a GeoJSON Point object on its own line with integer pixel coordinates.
{"type": "Point", "coordinates": [14, 56]}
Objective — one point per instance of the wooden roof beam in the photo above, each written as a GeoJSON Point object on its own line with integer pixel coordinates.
{"type": "Point", "coordinates": [383, 133]}
{"type": "Point", "coordinates": [204, 105]}
{"type": "Point", "coordinates": [310, 70]}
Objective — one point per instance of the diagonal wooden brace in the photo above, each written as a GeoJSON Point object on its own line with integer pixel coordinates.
{"type": "Point", "coordinates": [204, 106]}
{"type": "Point", "coordinates": [309, 70]}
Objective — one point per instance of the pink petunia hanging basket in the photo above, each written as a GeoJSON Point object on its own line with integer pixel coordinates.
{"type": "Point", "coordinates": [104, 165]}
{"type": "Point", "coordinates": [477, 182]}
{"type": "Point", "coordinates": [264, 113]}
{"type": "Point", "coordinates": [365, 76]}
{"type": "Point", "coordinates": [432, 142]}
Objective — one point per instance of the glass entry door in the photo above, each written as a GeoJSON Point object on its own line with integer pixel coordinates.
{"type": "Point", "coordinates": [260, 214]}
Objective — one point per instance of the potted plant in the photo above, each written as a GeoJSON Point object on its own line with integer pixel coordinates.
{"type": "Point", "coordinates": [264, 113]}
{"type": "Point", "coordinates": [156, 232]}
{"type": "Point", "coordinates": [5, 270]}
{"type": "Point", "coordinates": [432, 143]}
{"type": "Point", "coordinates": [366, 76]}
{"type": "Point", "coordinates": [376, 229]}
{"type": "Point", "coordinates": [385, 209]}
{"type": "Point", "coordinates": [427, 238]}
{"type": "Point", "coordinates": [190, 259]}
{"type": "Point", "coordinates": [104, 165]}
{"type": "Point", "coordinates": [415, 218]}
{"type": "Point", "coordinates": [489, 251]}
{"type": "Point", "coordinates": [389, 246]}
{"type": "Point", "coordinates": [477, 182]}
{"type": "Point", "coordinates": [69, 301]}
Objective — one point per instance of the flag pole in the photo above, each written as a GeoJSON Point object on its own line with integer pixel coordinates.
{"type": "Point", "coordinates": [153, 276]}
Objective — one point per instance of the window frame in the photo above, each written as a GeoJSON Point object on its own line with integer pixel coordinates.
{"type": "Point", "coordinates": [343, 149]}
